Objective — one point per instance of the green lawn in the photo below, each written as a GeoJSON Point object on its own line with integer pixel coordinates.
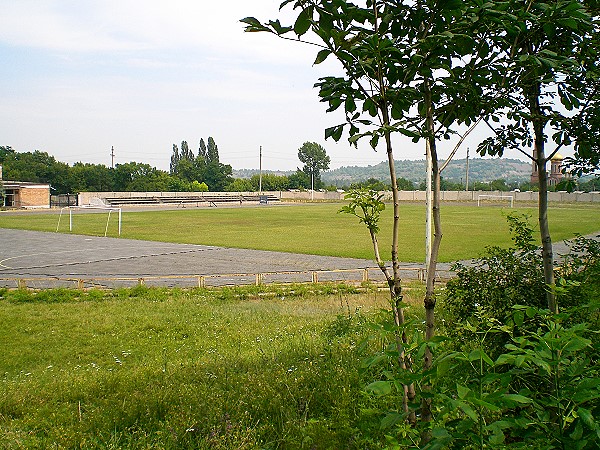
{"type": "Point", "coordinates": [172, 369]}
{"type": "Point", "coordinates": [319, 229]}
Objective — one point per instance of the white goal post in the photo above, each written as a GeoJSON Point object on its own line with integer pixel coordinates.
{"type": "Point", "coordinates": [501, 197]}
{"type": "Point", "coordinates": [100, 206]}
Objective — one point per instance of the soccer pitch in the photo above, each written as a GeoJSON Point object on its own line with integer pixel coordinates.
{"type": "Point", "coordinates": [319, 229]}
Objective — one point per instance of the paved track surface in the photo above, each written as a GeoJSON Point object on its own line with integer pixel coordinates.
{"type": "Point", "coordinates": [33, 254]}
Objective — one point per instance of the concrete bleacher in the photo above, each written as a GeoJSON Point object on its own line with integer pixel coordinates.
{"type": "Point", "coordinates": [117, 199]}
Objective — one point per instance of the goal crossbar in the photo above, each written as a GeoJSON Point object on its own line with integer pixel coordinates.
{"type": "Point", "coordinates": [501, 197]}
{"type": "Point", "coordinates": [98, 207]}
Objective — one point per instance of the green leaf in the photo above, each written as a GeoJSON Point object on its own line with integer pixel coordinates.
{"type": "Point", "coordinates": [334, 132]}
{"type": "Point", "coordinates": [380, 388]}
{"type": "Point", "coordinates": [468, 411]}
{"type": "Point", "coordinates": [279, 29]}
{"type": "Point", "coordinates": [577, 432]}
{"type": "Point", "coordinates": [474, 355]}
{"type": "Point", "coordinates": [462, 391]}
{"type": "Point", "coordinates": [390, 420]}
{"type": "Point", "coordinates": [322, 56]}
{"type": "Point", "coordinates": [587, 418]}
{"type": "Point", "coordinates": [370, 106]}
{"type": "Point", "coordinates": [374, 141]}
{"type": "Point", "coordinates": [302, 24]}
{"type": "Point", "coordinates": [576, 343]}
{"type": "Point", "coordinates": [325, 23]}
{"type": "Point", "coordinates": [349, 105]}
{"type": "Point", "coordinates": [519, 317]}
{"type": "Point", "coordinates": [497, 439]}
{"type": "Point", "coordinates": [479, 354]}
{"type": "Point", "coordinates": [489, 406]}
{"type": "Point", "coordinates": [440, 433]}
{"type": "Point", "coordinates": [254, 25]}
{"type": "Point", "coordinates": [517, 398]}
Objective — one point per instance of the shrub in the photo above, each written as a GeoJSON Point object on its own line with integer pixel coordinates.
{"type": "Point", "coordinates": [496, 282]}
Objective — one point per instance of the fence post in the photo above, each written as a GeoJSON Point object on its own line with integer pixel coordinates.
{"type": "Point", "coordinates": [315, 277]}
{"type": "Point", "coordinates": [22, 284]}
{"type": "Point", "coordinates": [80, 284]}
{"type": "Point", "coordinates": [141, 281]}
{"type": "Point", "coordinates": [365, 275]}
{"type": "Point", "coordinates": [201, 282]}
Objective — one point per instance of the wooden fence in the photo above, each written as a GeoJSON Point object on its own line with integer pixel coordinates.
{"type": "Point", "coordinates": [352, 276]}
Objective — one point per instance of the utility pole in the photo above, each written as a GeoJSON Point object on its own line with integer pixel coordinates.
{"type": "Point", "coordinates": [260, 171]}
{"type": "Point", "coordinates": [112, 157]}
{"type": "Point", "coordinates": [467, 177]}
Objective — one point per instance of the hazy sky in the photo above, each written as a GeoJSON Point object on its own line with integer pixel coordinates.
{"type": "Point", "coordinates": [80, 76]}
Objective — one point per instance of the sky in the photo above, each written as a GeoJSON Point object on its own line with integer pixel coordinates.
{"type": "Point", "coordinates": [80, 77]}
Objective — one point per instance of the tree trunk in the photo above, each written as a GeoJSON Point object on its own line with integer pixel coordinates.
{"type": "Point", "coordinates": [547, 253]}
{"type": "Point", "coordinates": [430, 299]}
{"type": "Point", "coordinates": [395, 284]}
{"type": "Point", "coordinates": [539, 123]}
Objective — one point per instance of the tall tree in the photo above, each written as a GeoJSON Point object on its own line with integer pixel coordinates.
{"type": "Point", "coordinates": [90, 177]}
{"type": "Point", "coordinates": [202, 152]}
{"type": "Point", "coordinates": [186, 153]}
{"type": "Point", "coordinates": [212, 151]}
{"type": "Point", "coordinates": [36, 166]}
{"type": "Point", "coordinates": [315, 159]}
{"type": "Point", "coordinates": [411, 68]}
{"type": "Point", "coordinates": [549, 51]}
{"type": "Point", "coordinates": [139, 177]}
{"type": "Point", "coordinates": [175, 158]}
{"type": "Point", "coordinates": [217, 176]}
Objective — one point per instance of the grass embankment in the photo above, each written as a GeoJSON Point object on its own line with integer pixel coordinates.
{"type": "Point", "coordinates": [151, 368]}
{"type": "Point", "coordinates": [318, 229]}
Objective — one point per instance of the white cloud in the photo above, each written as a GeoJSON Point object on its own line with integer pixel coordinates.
{"type": "Point", "coordinates": [84, 75]}
{"type": "Point", "coordinates": [133, 25]}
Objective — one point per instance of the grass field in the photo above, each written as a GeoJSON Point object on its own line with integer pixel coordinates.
{"type": "Point", "coordinates": [319, 229]}
{"type": "Point", "coordinates": [158, 369]}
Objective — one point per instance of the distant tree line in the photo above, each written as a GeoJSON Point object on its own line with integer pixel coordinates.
{"type": "Point", "coordinates": [494, 185]}
{"type": "Point", "coordinates": [199, 172]}
{"type": "Point", "coordinates": [188, 172]}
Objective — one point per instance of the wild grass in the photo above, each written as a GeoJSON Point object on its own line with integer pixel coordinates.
{"type": "Point", "coordinates": [319, 229]}
{"type": "Point", "coordinates": [155, 368]}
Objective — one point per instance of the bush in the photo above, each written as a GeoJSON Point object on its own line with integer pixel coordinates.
{"type": "Point", "coordinates": [499, 280]}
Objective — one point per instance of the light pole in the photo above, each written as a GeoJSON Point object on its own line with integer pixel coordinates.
{"type": "Point", "coordinates": [467, 176]}
{"type": "Point", "coordinates": [260, 171]}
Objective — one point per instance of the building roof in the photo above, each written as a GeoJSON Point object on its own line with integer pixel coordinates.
{"type": "Point", "coordinates": [23, 184]}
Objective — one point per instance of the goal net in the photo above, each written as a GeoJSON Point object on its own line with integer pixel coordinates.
{"type": "Point", "coordinates": [501, 200]}
{"type": "Point", "coordinates": [96, 205]}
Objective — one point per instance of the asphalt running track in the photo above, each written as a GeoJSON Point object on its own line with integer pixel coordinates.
{"type": "Point", "coordinates": [43, 259]}
{"type": "Point", "coordinates": [46, 259]}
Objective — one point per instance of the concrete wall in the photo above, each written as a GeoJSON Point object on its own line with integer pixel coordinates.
{"type": "Point", "coordinates": [460, 196]}
{"type": "Point", "coordinates": [410, 196]}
